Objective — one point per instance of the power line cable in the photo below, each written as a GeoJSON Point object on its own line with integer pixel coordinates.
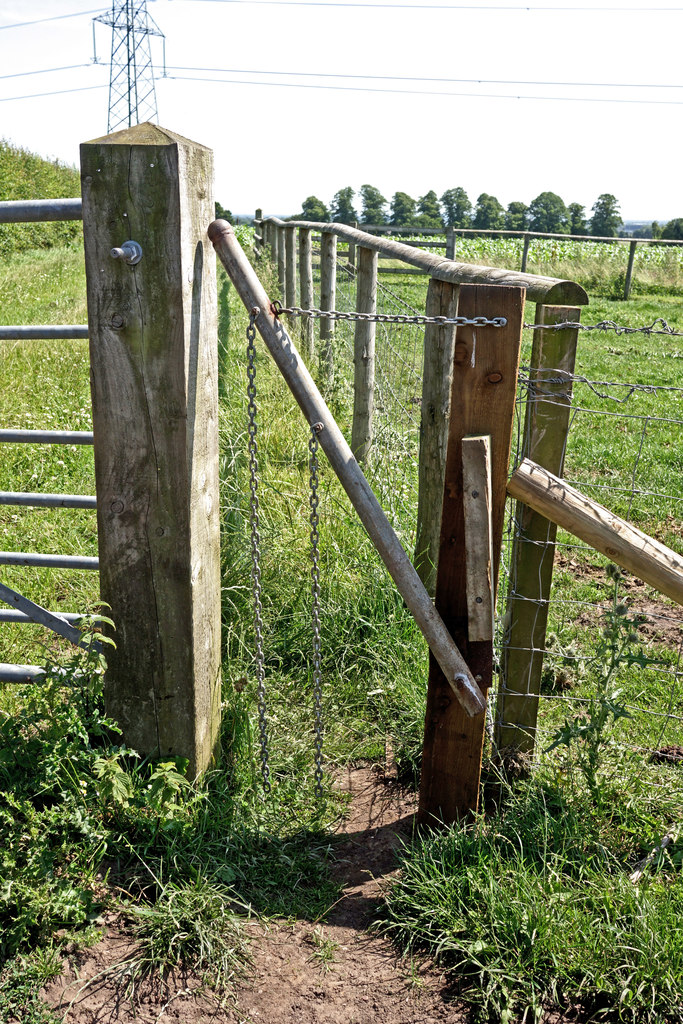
{"type": "Point", "coordinates": [55, 17]}
{"type": "Point", "coordinates": [58, 92]}
{"type": "Point", "coordinates": [421, 92]}
{"type": "Point", "coordinates": [45, 71]}
{"type": "Point", "coordinates": [443, 7]}
{"type": "Point", "coordinates": [417, 78]}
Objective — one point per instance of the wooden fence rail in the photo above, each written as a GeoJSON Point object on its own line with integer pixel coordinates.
{"type": "Point", "coordinates": [418, 237]}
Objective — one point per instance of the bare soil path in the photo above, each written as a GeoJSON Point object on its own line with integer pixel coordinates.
{"type": "Point", "coordinates": [331, 972]}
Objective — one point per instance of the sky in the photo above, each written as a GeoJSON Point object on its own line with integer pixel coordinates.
{"type": "Point", "coordinates": [491, 96]}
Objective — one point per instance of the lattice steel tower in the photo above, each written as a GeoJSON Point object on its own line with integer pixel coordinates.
{"type": "Point", "coordinates": [132, 96]}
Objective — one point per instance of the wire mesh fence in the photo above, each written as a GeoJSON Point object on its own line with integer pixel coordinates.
{"type": "Point", "coordinates": [623, 450]}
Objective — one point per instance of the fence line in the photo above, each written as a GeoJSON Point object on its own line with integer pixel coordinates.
{"type": "Point", "coordinates": [548, 383]}
{"type": "Point", "coordinates": [414, 235]}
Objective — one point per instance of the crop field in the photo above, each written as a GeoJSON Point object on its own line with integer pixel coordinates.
{"type": "Point", "coordinates": [531, 907]}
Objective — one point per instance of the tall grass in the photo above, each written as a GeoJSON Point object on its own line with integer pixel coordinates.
{"type": "Point", "coordinates": [24, 175]}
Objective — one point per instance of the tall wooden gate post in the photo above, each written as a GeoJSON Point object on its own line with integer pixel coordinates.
{"type": "Point", "coordinates": [153, 352]}
{"type": "Point", "coordinates": [484, 386]}
{"type": "Point", "coordinates": [546, 424]}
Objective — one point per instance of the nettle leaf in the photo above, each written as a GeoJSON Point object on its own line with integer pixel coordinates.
{"type": "Point", "coordinates": [115, 783]}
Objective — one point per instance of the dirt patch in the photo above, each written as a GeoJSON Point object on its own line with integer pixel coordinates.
{"type": "Point", "coordinates": [302, 972]}
{"type": "Point", "coordinates": [658, 620]}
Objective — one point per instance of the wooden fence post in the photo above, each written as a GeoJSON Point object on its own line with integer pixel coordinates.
{"type": "Point", "coordinates": [307, 298]}
{"type": "Point", "coordinates": [483, 396]}
{"type": "Point", "coordinates": [281, 259]}
{"type": "Point", "coordinates": [364, 355]}
{"type": "Point", "coordinates": [328, 297]}
{"type": "Point", "coordinates": [533, 550]}
{"type": "Point", "coordinates": [629, 269]}
{"type": "Point", "coordinates": [290, 265]}
{"type": "Point", "coordinates": [258, 227]}
{"type": "Point", "coordinates": [351, 255]}
{"type": "Point", "coordinates": [153, 365]}
{"type": "Point", "coordinates": [442, 300]}
{"type": "Point", "coordinates": [525, 253]}
{"type": "Point", "coordinates": [450, 243]}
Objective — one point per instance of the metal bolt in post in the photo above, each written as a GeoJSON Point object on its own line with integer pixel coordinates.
{"type": "Point", "coordinates": [130, 252]}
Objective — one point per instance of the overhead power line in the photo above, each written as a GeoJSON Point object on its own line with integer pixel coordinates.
{"type": "Point", "coordinates": [45, 71]}
{"type": "Point", "coordinates": [422, 92]}
{"type": "Point", "coordinates": [418, 78]}
{"type": "Point", "coordinates": [441, 7]}
{"type": "Point", "coordinates": [54, 17]}
{"type": "Point", "coordinates": [58, 92]}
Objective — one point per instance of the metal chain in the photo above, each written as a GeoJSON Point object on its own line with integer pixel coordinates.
{"type": "Point", "coordinates": [609, 325]}
{"type": "Point", "coordinates": [389, 318]}
{"type": "Point", "coordinates": [315, 605]}
{"type": "Point", "coordinates": [256, 548]}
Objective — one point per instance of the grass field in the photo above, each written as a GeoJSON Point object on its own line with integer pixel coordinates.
{"type": "Point", "coordinates": [531, 905]}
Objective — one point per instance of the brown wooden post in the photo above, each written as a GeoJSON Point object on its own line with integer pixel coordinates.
{"type": "Point", "coordinates": [306, 294]}
{"type": "Point", "coordinates": [525, 253]}
{"type": "Point", "coordinates": [153, 366]}
{"type": "Point", "coordinates": [351, 255]}
{"type": "Point", "coordinates": [328, 297]}
{"type": "Point", "coordinates": [533, 550]}
{"type": "Point", "coordinates": [442, 300]}
{"type": "Point", "coordinates": [629, 269]}
{"type": "Point", "coordinates": [271, 241]}
{"type": "Point", "coordinates": [450, 243]}
{"type": "Point", "coordinates": [482, 403]}
{"type": "Point", "coordinates": [281, 259]}
{"type": "Point", "coordinates": [364, 355]}
{"type": "Point", "coordinates": [290, 265]}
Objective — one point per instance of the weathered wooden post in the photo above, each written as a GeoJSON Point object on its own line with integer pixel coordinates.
{"type": "Point", "coordinates": [351, 255]}
{"type": "Point", "coordinates": [533, 550]}
{"type": "Point", "coordinates": [328, 297]}
{"type": "Point", "coordinates": [153, 358]}
{"type": "Point", "coordinates": [290, 264]}
{"type": "Point", "coordinates": [442, 300]}
{"type": "Point", "coordinates": [484, 385]}
{"type": "Point", "coordinates": [259, 240]}
{"type": "Point", "coordinates": [364, 355]}
{"type": "Point", "coordinates": [307, 298]}
{"type": "Point", "coordinates": [629, 269]}
{"type": "Point", "coordinates": [280, 234]}
{"type": "Point", "coordinates": [450, 243]}
{"type": "Point", "coordinates": [525, 253]}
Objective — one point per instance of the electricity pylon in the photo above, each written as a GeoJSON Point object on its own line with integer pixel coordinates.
{"type": "Point", "coordinates": [132, 96]}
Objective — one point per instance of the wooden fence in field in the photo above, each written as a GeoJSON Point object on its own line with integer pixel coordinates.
{"type": "Point", "coordinates": [151, 288]}
{"type": "Point", "coordinates": [420, 238]}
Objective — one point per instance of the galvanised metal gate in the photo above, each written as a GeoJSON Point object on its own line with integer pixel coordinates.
{"type": "Point", "coordinates": [21, 608]}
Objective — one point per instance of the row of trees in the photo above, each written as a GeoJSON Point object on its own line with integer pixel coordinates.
{"type": "Point", "coordinates": [547, 212]}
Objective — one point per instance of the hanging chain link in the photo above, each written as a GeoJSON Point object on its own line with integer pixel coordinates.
{"type": "Point", "coordinates": [315, 605]}
{"type": "Point", "coordinates": [389, 318]}
{"type": "Point", "coordinates": [256, 548]}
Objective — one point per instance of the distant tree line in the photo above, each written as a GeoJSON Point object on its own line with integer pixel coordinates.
{"type": "Point", "coordinates": [547, 212]}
